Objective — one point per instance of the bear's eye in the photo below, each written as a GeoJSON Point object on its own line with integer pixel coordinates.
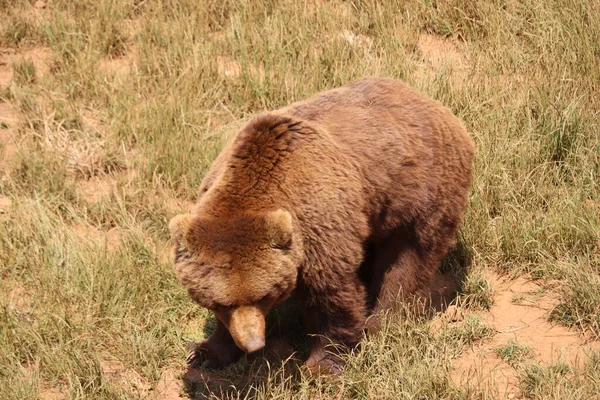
{"type": "Point", "coordinates": [263, 300]}
{"type": "Point", "coordinates": [223, 307]}
{"type": "Point", "coordinates": [270, 299]}
{"type": "Point", "coordinates": [283, 246]}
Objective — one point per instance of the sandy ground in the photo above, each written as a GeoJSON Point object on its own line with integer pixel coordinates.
{"type": "Point", "coordinates": [519, 315]}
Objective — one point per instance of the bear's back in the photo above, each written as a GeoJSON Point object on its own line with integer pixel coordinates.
{"type": "Point", "coordinates": [379, 114]}
{"type": "Point", "coordinates": [409, 148]}
{"type": "Point", "coordinates": [403, 151]}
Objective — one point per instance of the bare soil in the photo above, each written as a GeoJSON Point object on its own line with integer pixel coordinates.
{"type": "Point", "coordinates": [519, 315]}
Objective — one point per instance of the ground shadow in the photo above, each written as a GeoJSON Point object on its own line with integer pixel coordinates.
{"type": "Point", "coordinates": [287, 341]}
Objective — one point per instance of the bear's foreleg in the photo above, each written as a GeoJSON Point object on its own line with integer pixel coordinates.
{"type": "Point", "coordinates": [218, 351]}
{"type": "Point", "coordinates": [335, 318]}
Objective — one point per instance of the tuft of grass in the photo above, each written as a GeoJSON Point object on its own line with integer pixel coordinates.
{"type": "Point", "coordinates": [470, 331]}
{"type": "Point", "coordinates": [580, 303]}
{"type": "Point", "coordinates": [24, 72]}
{"type": "Point", "coordinates": [513, 353]}
{"type": "Point", "coordinates": [518, 298]}
{"type": "Point", "coordinates": [476, 293]}
{"type": "Point", "coordinates": [540, 381]}
{"type": "Point", "coordinates": [18, 29]}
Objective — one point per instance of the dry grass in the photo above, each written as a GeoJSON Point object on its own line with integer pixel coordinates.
{"type": "Point", "coordinates": [139, 97]}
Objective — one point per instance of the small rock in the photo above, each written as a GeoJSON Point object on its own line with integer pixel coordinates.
{"type": "Point", "coordinates": [39, 4]}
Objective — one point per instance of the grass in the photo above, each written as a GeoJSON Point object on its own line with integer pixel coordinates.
{"type": "Point", "coordinates": [561, 381]}
{"type": "Point", "coordinates": [24, 72]}
{"type": "Point", "coordinates": [118, 125]}
{"type": "Point", "coordinates": [579, 305]}
{"type": "Point", "coordinates": [476, 293]}
{"type": "Point", "coordinates": [514, 353]}
{"type": "Point", "coordinates": [470, 331]}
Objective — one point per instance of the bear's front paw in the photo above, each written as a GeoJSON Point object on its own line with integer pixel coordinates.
{"type": "Point", "coordinates": [210, 355]}
{"type": "Point", "coordinates": [198, 354]}
{"type": "Point", "coordinates": [323, 362]}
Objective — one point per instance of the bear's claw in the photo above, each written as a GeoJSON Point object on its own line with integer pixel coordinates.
{"type": "Point", "coordinates": [208, 355]}
{"type": "Point", "coordinates": [324, 363]}
{"type": "Point", "coordinates": [197, 357]}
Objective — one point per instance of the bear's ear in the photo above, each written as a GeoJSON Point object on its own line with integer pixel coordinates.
{"type": "Point", "coordinates": [279, 228]}
{"type": "Point", "coordinates": [179, 226]}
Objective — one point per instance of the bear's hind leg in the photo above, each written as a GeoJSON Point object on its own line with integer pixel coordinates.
{"type": "Point", "coordinates": [400, 270]}
{"type": "Point", "coordinates": [405, 264]}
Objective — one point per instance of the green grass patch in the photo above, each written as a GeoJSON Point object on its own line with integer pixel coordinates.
{"type": "Point", "coordinates": [513, 353]}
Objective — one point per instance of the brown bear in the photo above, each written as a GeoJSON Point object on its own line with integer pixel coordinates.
{"type": "Point", "coordinates": [348, 198]}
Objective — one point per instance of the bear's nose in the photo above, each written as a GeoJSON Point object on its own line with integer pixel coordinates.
{"type": "Point", "coordinates": [247, 328]}
{"type": "Point", "coordinates": [254, 344]}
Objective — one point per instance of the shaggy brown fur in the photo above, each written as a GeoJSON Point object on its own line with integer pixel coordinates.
{"type": "Point", "coordinates": [350, 197]}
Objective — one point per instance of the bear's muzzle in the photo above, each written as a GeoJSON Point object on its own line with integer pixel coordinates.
{"type": "Point", "coordinates": [247, 328]}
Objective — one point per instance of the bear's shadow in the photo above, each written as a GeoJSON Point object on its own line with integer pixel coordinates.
{"type": "Point", "coordinates": [287, 341]}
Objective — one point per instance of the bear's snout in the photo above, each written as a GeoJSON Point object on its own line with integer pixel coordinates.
{"type": "Point", "coordinates": [254, 344]}
{"type": "Point", "coordinates": [247, 328]}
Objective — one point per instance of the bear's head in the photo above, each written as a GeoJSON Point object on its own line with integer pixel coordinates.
{"type": "Point", "coordinates": [238, 267]}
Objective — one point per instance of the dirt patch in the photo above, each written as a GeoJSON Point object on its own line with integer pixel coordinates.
{"type": "Point", "coordinates": [53, 394]}
{"type": "Point", "coordinates": [16, 296]}
{"type": "Point", "coordinates": [5, 204]}
{"type": "Point", "coordinates": [109, 239]}
{"type": "Point", "coordinates": [118, 373]}
{"type": "Point", "coordinates": [169, 387]}
{"type": "Point", "coordinates": [519, 316]}
{"type": "Point", "coordinates": [119, 68]}
{"type": "Point", "coordinates": [438, 53]}
{"type": "Point", "coordinates": [6, 72]}
{"type": "Point", "coordinates": [96, 188]}
{"type": "Point", "coordinates": [8, 120]}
